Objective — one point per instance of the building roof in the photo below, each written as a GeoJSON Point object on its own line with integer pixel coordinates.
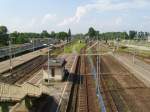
{"type": "Point", "coordinates": [56, 62]}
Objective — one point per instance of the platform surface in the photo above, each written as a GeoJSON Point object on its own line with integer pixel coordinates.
{"type": "Point", "coordinates": [5, 65]}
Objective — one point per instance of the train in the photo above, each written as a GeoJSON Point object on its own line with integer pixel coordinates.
{"type": "Point", "coordinates": [36, 44]}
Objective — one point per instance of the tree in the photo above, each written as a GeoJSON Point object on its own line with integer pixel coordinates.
{"type": "Point", "coordinates": [91, 32]}
{"type": "Point", "coordinates": [3, 35]}
{"type": "Point", "coordinates": [97, 34]}
{"type": "Point", "coordinates": [3, 30]}
{"type": "Point", "coordinates": [45, 34]}
{"type": "Point", "coordinates": [53, 34]}
{"type": "Point", "coordinates": [14, 34]}
{"type": "Point", "coordinates": [132, 34]}
{"type": "Point", "coordinates": [114, 35]}
{"type": "Point", "coordinates": [69, 35]}
{"type": "Point", "coordinates": [62, 35]}
{"type": "Point", "coordinates": [125, 35]}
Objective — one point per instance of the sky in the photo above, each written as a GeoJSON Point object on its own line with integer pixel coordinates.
{"type": "Point", "coordinates": [78, 15]}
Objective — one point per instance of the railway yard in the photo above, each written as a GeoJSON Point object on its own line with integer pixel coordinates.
{"type": "Point", "coordinates": [99, 80]}
{"type": "Point", "coordinates": [75, 56]}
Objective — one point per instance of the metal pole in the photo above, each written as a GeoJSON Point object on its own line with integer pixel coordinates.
{"type": "Point", "coordinates": [97, 74]}
{"type": "Point", "coordinates": [48, 63]}
{"type": "Point", "coordinates": [79, 91]}
{"type": "Point", "coordinates": [134, 52]}
{"type": "Point", "coordinates": [10, 55]}
{"type": "Point", "coordinates": [33, 44]}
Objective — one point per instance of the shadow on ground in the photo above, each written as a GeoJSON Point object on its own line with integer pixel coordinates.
{"type": "Point", "coordinates": [44, 104]}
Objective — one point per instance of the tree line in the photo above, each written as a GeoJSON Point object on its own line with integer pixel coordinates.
{"type": "Point", "coordinates": [20, 37]}
{"type": "Point", "coordinates": [95, 34]}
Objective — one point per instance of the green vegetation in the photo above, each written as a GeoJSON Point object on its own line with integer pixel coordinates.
{"type": "Point", "coordinates": [56, 52]}
{"type": "Point", "coordinates": [136, 42]}
{"type": "Point", "coordinates": [138, 35]}
{"type": "Point", "coordinates": [21, 38]}
{"type": "Point", "coordinates": [3, 36]}
{"type": "Point", "coordinates": [69, 35]}
{"type": "Point", "coordinates": [132, 35]}
{"type": "Point", "coordinates": [92, 34]}
{"type": "Point", "coordinates": [141, 53]}
{"type": "Point", "coordinates": [5, 106]}
{"type": "Point", "coordinates": [95, 34]}
{"type": "Point", "coordinates": [74, 47]}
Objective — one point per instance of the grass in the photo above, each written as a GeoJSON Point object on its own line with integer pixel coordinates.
{"type": "Point", "coordinates": [76, 46]}
{"type": "Point", "coordinates": [141, 53]}
{"type": "Point", "coordinates": [135, 42]}
{"type": "Point", "coordinates": [56, 52]}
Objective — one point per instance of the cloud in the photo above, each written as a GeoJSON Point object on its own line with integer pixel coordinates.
{"type": "Point", "coordinates": [146, 21]}
{"type": "Point", "coordinates": [146, 18]}
{"type": "Point", "coordinates": [118, 21]}
{"type": "Point", "coordinates": [79, 13]}
{"type": "Point", "coordinates": [48, 18]}
{"type": "Point", "coordinates": [32, 23]}
{"type": "Point", "coordinates": [103, 6]}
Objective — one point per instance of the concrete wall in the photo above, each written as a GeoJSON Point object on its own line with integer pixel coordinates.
{"type": "Point", "coordinates": [59, 74]}
{"type": "Point", "coordinates": [149, 39]}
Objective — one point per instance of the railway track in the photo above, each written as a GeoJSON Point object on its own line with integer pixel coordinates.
{"type": "Point", "coordinates": [121, 90]}
{"type": "Point", "coordinates": [23, 72]}
{"type": "Point", "coordinates": [36, 66]}
{"type": "Point", "coordinates": [84, 97]}
{"type": "Point", "coordinates": [108, 86]}
{"type": "Point", "coordinates": [109, 103]}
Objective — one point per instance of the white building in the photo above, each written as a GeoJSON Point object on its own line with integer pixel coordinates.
{"type": "Point", "coordinates": [55, 71]}
{"type": "Point", "coordinates": [148, 38]}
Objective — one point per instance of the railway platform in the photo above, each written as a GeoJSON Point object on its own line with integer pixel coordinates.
{"type": "Point", "coordinates": [59, 90]}
{"type": "Point", "coordinates": [5, 65]}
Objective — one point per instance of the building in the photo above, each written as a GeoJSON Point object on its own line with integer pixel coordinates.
{"type": "Point", "coordinates": [55, 71]}
{"type": "Point", "coordinates": [148, 38]}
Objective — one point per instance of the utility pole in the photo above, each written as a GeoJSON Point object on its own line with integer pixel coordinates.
{"type": "Point", "coordinates": [48, 62]}
{"type": "Point", "coordinates": [32, 42]}
{"type": "Point", "coordinates": [134, 54]}
{"type": "Point", "coordinates": [10, 55]}
{"type": "Point", "coordinates": [48, 59]}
